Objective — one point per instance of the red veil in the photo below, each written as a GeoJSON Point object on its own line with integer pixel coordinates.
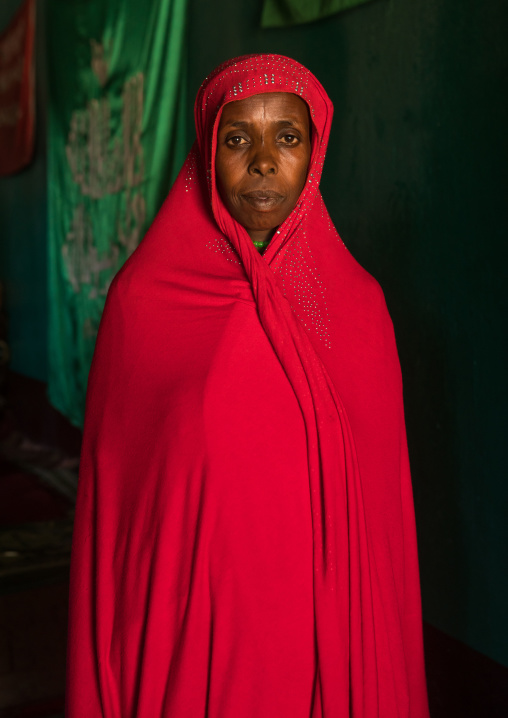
{"type": "Point", "coordinates": [245, 543]}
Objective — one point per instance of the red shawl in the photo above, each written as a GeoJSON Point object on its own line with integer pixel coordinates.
{"type": "Point", "coordinates": [245, 542]}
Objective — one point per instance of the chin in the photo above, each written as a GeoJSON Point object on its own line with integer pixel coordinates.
{"type": "Point", "coordinates": [264, 224]}
{"type": "Point", "coordinates": [263, 227]}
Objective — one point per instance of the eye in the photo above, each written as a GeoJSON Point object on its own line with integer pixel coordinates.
{"type": "Point", "coordinates": [235, 141]}
{"type": "Point", "coordinates": [290, 139]}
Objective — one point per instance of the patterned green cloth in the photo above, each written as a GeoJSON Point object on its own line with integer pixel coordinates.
{"type": "Point", "coordinates": [116, 141]}
{"type": "Point", "coordinates": [277, 13]}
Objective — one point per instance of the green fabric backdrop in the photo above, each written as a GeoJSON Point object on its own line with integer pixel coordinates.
{"type": "Point", "coordinates": [279, 13]}
{"type": "Point", "coordinates": [116, 140]}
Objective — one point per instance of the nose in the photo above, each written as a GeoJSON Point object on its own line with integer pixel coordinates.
{"type": "Point", "coordinates": [263, 161]}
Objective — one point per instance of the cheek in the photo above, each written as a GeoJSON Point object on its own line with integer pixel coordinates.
{"type": "Point", "coordinates": [297, 175]}
{"type": "Point", "coordinates": [227, 178]}
{"type": "Point", "coordinates": [304, 169]}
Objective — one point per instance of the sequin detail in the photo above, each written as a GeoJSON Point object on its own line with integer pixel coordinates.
{"type": "Point", "coordinates": [191, 171]}
{"type": "Point", "coordinates": [328, 221]}
{"type": "Point", "coordinates": [277, 77]}
{"type": "Point", "coordinates": [301, 284]}
{"type": "Point", "coordinates": [220, 245]}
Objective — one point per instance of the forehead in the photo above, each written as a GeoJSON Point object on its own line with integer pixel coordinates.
{"type": "Point", "coordinates": [267, 106]}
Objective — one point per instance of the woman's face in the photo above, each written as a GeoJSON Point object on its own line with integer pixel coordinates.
{"type": "Point", "coordinates": [263, 153]}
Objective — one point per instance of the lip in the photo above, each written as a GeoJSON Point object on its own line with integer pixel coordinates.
{"type": "Point", "coordinates": [262, 200]}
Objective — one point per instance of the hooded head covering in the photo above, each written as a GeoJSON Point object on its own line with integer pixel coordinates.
{"type": "Point", "coordinates": [244, 539]}
{"type": "Point", "coordinates": [241, 78]}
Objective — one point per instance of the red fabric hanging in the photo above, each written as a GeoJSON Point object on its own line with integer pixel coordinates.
{"type": "Point", "coordinates": [17, 90]}
{"type": "Point", "coordinates": [245, 541]}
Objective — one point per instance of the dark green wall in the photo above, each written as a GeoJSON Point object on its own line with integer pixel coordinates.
{"type": "Point", "coordinates": [416, 182]}
{"type": "Point", "coordinates": [23, 234]}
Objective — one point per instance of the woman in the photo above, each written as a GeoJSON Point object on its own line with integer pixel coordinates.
{"type": "Point", "coordinates": [244, 542]}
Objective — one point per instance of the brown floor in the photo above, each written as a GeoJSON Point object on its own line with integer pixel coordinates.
{"type": "Point", "coordinates": [35, 532]}
{"type": "Point", "coordinates": [33, 629]}
{"type": "Point", "coordinates": [463, 683]}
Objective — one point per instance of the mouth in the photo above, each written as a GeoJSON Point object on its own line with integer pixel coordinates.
{"type": "Point", "coordinates": [263, 200]}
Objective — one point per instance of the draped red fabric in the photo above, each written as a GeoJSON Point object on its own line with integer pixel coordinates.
{"type": "Point", "coordinates": [244, 542]}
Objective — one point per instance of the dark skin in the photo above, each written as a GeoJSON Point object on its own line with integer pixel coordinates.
{"type": "Point", "coordinates": [263, 153]}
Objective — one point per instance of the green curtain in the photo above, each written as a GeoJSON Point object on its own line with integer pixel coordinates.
{"type": "Point", "coordinates": [116, 141]}
{"type": "Point", "coordinates": [277, 13]}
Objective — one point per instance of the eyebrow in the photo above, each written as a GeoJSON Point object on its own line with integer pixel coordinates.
{"type": "Point", "coordinates": [244, 123]}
